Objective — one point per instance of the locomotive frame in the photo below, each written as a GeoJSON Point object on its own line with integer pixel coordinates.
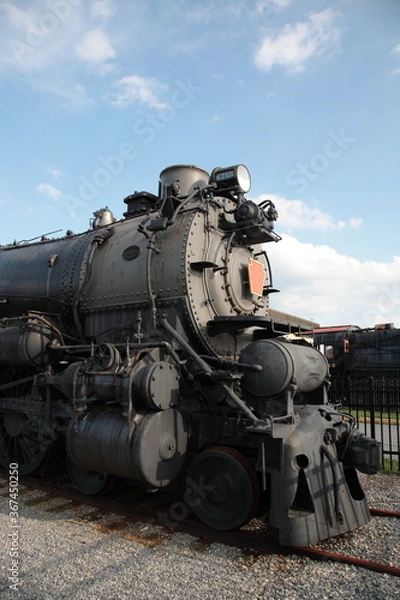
{"type": "Point", "coordinates": [147, 346]}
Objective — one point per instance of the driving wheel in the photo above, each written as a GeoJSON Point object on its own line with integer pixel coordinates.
{"type": "Point", "coordinates": [87, 482]}
{"type": "Point", "coordinates": [222, 488]}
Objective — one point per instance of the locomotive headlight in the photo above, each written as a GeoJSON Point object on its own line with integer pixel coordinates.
{"type": "Point", "coordinates": [236, 177]}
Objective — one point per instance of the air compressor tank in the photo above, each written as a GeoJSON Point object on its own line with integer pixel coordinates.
{"type": "Point", "coordinates": [282, 363]}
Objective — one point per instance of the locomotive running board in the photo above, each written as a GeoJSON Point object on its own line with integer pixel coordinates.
{"type": "Point", "coordinates": [277, 323]}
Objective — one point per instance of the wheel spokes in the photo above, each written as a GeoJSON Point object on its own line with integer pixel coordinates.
{"type": "Point", "coordinates": [21, 443]}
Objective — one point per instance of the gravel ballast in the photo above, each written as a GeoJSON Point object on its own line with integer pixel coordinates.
{"type": "Point", "coordinates": [75, 552]}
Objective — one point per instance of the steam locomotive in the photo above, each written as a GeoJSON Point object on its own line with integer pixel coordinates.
{"type": "Point", "coordinates": [147, 347]}
{"type": "Point", "coordinates": [359, 353]}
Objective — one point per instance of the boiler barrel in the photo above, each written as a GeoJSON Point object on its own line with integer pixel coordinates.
{"type": "Point", "coordinates": [45, 277]}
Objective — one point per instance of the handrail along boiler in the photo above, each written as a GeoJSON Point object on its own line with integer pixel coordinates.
{"type": "Point", "coordinates": [147, 345]}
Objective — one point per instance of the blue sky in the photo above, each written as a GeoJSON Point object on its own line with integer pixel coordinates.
{"type": "Point", "coordinates": [98, 96]}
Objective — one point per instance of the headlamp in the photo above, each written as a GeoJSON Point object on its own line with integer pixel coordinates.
{"type": "Point", "coordinates": [236, 178]}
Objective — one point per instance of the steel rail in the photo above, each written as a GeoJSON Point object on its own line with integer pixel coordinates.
{"type": "Point", "coordinates": [250, 540]}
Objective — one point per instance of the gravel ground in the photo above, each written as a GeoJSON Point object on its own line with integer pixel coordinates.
{"type": "Point", "coordinates": [75, 552]}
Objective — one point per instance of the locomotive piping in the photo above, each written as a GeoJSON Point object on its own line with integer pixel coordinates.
{"type": "Point", "coordinates": [172, 220]}
{"type": "Point", "coordinates": [208, 370]}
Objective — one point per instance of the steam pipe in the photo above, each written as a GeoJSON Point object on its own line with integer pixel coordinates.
{"type": "Point", "coordinates": [208, 370]}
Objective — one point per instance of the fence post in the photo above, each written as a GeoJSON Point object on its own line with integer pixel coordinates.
{"type": "Point", "coordinates": [371, 397]}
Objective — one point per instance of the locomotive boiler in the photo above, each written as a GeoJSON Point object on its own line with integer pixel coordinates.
{"type": "Point", "coordinates": [146, 348]}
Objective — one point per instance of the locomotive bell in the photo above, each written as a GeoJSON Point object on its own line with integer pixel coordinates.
{"type": "Point", "coordinates": [102, 218]}
{"type": "Point", "coordinates": [184, 179]}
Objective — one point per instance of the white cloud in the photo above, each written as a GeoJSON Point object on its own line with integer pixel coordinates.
{"type": "Point", "coordinates": [295, 44]}
{"type": "Point", "coordinates": [47, 43]}
{"type": "Point", "coordinates": [102, 9]}
{"type": "Point", "coordinates": [265, 5]}
{"type": "Point", "coordinates": [21, 19]}
{"type": "Point", "coordinates": [34, 38]}
{"type": "Point", "coordinates": [204, 12]}
{"type": "Point", "coordinates": [355, 222]}
{"type": "Point", "coordinates": [55, 172]}
{"type": "Point", "coordinates": [48, 190]}
{"type": "Point", "coordinates": [396, 49]}
{"type": "Point", "coordinates": [296, 214]}
{"type": "Point", "coordinates": [317, 282]}
{"type": "Point", "coordinates": [95, 47]}
{"type": "Point", "coordinates": [142, 89]}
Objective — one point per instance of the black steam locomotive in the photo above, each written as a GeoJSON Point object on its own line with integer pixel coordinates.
{"type": "Point", "coordinates": [359, 353]}
{"type": "Point", "coordinates": [147, 346]}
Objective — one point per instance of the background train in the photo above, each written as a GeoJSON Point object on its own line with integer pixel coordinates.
{"type": "Point", "coordinates": [146, 348]}
{"type": "Point", "coordinates": [355, 352]}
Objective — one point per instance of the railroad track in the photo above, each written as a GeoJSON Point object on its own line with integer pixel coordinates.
{"type": "Point", "coordinates": [138, 506]}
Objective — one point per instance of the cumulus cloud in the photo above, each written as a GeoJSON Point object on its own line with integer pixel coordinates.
{"type": "Point", "coordinates": [296, 214]}
{"type": "Point", "coordinates": [52, 39]}
{"type": "Point", "coordinates": [95, 47]}
{"type": "Point", "coordinates": [134, 88]}
{"type": "Point", "coordinates": [296, 44]}
{"type": "Point", "coordinates": [319, 283]}
{"type": "Point", "coordinates": [48, 190]}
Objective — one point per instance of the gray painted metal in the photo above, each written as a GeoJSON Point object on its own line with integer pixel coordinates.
{"type": "Point", "coordinates": [186, 178]}
{"type": "Point", "coordinates": [99, 441]}
{"type": "Point", "coordinates": [283, 363]}
{"type": "Point", "coordinates": [312, 496]}
{"type": "Point", "coordinates": [143, 342]}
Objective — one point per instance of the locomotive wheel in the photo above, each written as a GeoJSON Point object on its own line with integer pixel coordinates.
{"type": "Point", "coordinates": [89, 482]}
{"type": "Point", "coordinates": [22, 441]}
{"type": "Point", "coordinates": [222, 488]}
